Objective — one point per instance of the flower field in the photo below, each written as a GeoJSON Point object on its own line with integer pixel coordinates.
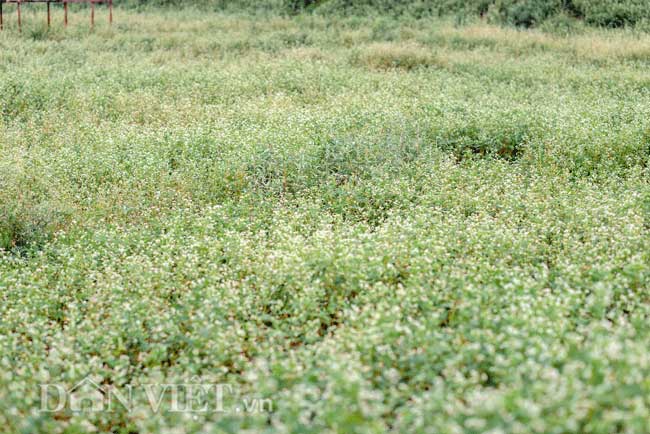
{"type": "Point", "coordinates": [378, 225]}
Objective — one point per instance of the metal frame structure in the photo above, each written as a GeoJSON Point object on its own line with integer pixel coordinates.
{"type": "Point", "coordinates": [18, 3]}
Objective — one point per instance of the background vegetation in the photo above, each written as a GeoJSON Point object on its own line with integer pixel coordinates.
{"type": "Point", "coordinates": [524, 13]}
{"type": "Point", "coordinates": [381, 224]}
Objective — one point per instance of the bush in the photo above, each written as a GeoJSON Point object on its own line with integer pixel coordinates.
{"type": "Point", "coordinates": [562, 24]}
{"type": "Point", "coordinates": [296, 6]}
{"type": "Point", "coordinates": [523, 13]}
{"type": "Point", "coordinates": [243, 5]}
{"type": "Point", "coordinates": [613, 13]}
{"type": "Point", "coordinates": [414, 8]}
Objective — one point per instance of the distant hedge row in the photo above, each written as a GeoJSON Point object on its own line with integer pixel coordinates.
{"type": "Point", "coordinates": [527, 13]}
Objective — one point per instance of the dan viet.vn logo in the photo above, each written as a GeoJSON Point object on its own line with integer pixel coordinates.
{"type": "Point", "coordinates": [195, 396]}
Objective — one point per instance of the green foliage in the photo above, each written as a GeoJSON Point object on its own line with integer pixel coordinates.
{"type": "Point", "coordinates": [524, 13]}
{"type": "Point", "coordinates": [562, 24]}
{"type": "Point", "coordinates": [296, 6]}
{"type": "Point", "coordinates": [613, 13]}
{"type": "Point", "coordinates": [30, 212]}
{"type": "Point", "coordinates": [407, 57]}
{"type": "Point", "coordinates": [521, 13]}
{"type": "Point", "coordinates": [382, 224]}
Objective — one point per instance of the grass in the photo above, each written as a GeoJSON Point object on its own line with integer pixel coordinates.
{"type": "Point", "coordinates": [381, 225]}
{"type": "Point", "coordinates": [389, 55]}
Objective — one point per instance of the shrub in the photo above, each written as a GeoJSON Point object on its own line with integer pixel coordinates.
{"type": "Point", "coordinates": [613, 13]}
{"type": "Point", "coordinates": [413, 8]}
{"type": "Point", "coordinates": [296, 6]}
{"type": "Point", "coordinates": [523, 13]}
{"type": "Point", "coordinates": [562, 24]}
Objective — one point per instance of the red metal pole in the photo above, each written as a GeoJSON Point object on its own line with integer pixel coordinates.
{"type": "Point", "coordinates": [49, 18]}
{"type": "Point", "coordinates": [92, 14]}
{"type": "Point", "coordinates": [1, 15]}
{"type": "Point", "coordinates": [110, 12]}
{"type": "Point", "coordinates": [65, 14]}
{"type": "Point", "coordinates": [20, 27]}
